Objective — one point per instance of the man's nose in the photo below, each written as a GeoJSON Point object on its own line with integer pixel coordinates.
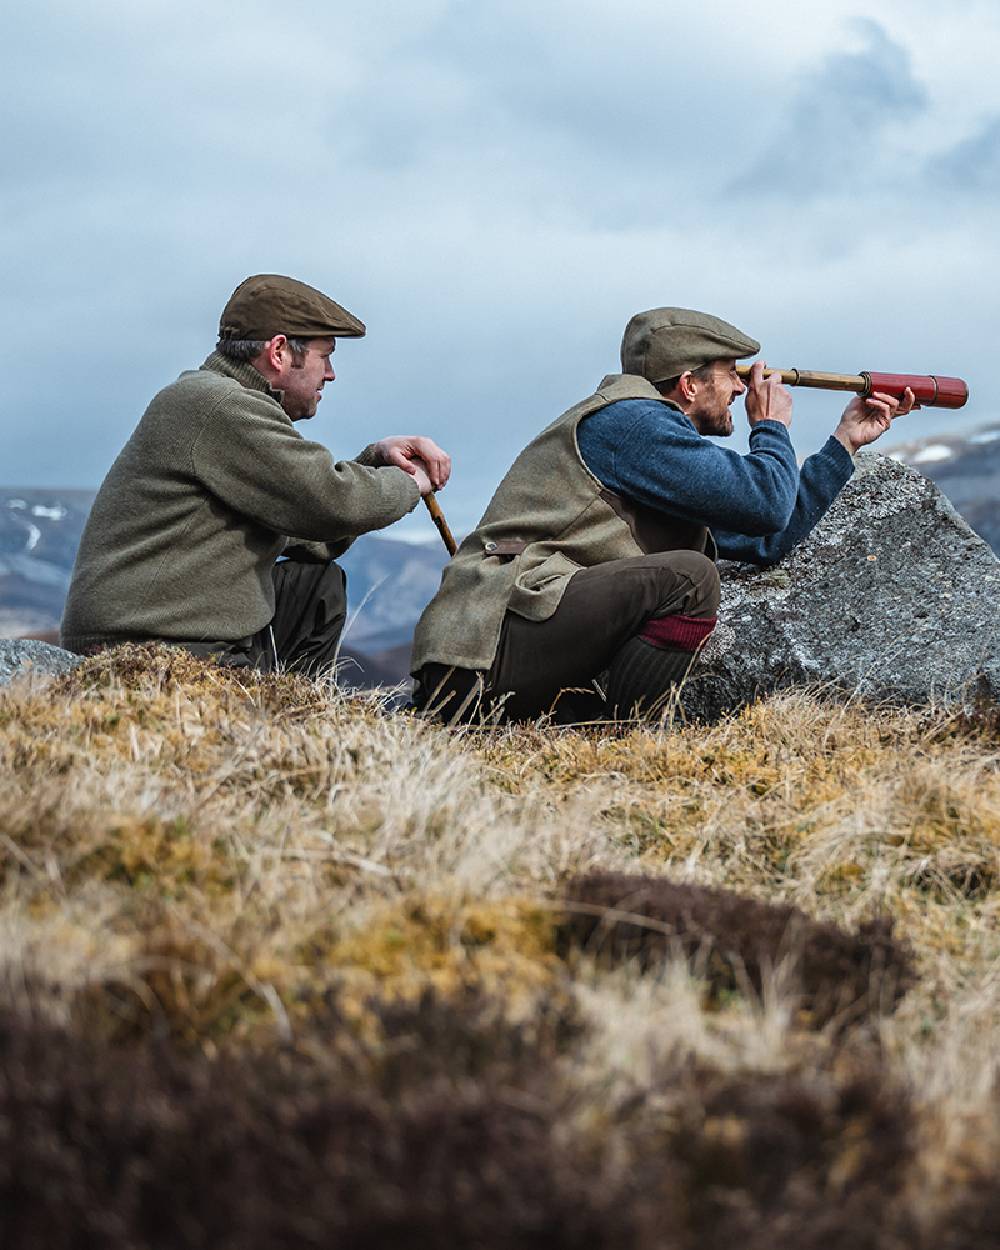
{"type": "Point", "coordinates": [329, 375]}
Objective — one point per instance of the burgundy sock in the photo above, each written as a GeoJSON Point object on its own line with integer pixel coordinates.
{"type": "Point", "coordinates": [683, 633]}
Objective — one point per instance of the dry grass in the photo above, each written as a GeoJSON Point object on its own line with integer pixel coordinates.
{"type": "Point", "coordinates": [209, 858]}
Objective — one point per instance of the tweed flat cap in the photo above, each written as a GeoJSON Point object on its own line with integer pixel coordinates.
{"type": "Point", "coordinates": [665, 342]}
{"type": "Point", "coordinates": [268, 304]}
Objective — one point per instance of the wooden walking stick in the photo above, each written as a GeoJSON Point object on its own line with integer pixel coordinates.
{"type": "Point", "coordinates": [931, 390]}
{"type": "Point", "coordinates": [434, 508]}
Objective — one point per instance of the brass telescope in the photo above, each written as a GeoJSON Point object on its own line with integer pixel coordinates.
{"type": "Point", "coordinates": [930, 389]}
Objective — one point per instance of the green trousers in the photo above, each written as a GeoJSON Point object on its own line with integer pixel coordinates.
{"type": "Point", "coordinates": [304, 633]}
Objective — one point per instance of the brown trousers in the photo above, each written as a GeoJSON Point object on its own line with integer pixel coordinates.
{"type": "Point", "coordinates": [547, 666]}
{"type": "Point", "coordinates": [303, 636]}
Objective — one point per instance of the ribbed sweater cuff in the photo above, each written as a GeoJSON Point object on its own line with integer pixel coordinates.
{"type": "Point", "coordinates": [839, 457]}
{"type": "Point", "coordinates": [770, 426]}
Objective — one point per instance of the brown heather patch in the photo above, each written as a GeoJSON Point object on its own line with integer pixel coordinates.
{"type": "Point", "coordinates": [451, 1124]}
{"type": "Point", "coordinates": [736, 942]}
{"type": "Point", "coordinates": [313, 943]}
{"type": "Point", "coordinates": [442, 1131]}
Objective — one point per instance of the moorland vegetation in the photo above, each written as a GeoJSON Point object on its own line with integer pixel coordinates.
{"type": "Point", "coordinates": [284, 967]}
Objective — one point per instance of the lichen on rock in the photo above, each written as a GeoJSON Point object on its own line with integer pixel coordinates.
{"type": "Point", "coordinates": [892, 597]}
{"type": "Point", "coordinates": [21, 657]}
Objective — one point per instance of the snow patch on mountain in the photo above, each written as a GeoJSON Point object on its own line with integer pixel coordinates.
{"type": "Point", "coordinates": [934, 451]}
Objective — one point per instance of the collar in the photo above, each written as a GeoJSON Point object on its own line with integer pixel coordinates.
{"type": "Point", "coordinates": [241, 371]}
{"type": "Point", "coordinates": [631, 386]}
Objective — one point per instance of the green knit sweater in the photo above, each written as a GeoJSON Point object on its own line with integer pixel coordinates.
{"type": "Point", "coordinates": [212, 486]}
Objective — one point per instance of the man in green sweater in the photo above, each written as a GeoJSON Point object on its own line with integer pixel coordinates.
{"type": "Point", "coordinates": [215, 484]}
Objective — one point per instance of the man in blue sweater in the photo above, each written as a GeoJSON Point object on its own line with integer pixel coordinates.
{"type": "Point", "coordinates": [596, 554]}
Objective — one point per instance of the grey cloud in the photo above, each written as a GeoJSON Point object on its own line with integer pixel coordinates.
{"type": "Point", "coordinates": [970, 166]}
{"type": "Point", "coordinates": [492, 187]}
{"type": "Point", "coordinates": [835, 131]}
{"type": "Point", "coordinates": [585, 116]}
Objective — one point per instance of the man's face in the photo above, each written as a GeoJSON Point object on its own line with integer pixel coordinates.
{"type": "Point", "coordinates": [301, 382]}
{"type": "Point", "coordinates": [710, 410]}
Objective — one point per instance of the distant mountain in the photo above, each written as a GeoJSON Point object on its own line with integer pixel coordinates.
{"type": "Point", "coordinates": [967, 469]}
{"type": "Point", "coordinates": [389, 583]}
{"type": "Point", "coordinates": [39, 534]}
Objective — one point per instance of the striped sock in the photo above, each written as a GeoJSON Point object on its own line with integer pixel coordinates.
{"type": "Point", "coordinates": [643, 675]}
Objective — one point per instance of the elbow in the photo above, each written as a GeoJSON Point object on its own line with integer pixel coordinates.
{"type": "Point", "coordinates": [776, 509]}
{"type": "Point", "coordinates": [767, 521]}
{"type": "Point", "coordinates": [766, 559]}
{"type": "Point", "coordinates": [780, 517]}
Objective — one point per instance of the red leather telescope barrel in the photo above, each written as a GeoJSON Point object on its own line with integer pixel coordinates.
{"type": "Point", "coordinates": [932, 390]}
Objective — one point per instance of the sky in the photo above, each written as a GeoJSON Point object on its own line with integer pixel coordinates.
{"type": "Point", "coordinates": [494, 187]}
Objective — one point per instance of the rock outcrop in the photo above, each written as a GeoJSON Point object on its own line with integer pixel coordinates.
{"type": "Point", "coordinates": [20, 657]}
{"type": "Point", "coordinates": [892, 597]}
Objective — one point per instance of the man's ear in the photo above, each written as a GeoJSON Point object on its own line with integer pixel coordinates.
{"type": "Point", "coordinates": [687, 386]}
{"type": "Point", "coordinates": [276, 351]}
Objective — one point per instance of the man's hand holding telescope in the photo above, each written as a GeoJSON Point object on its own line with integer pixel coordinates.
{"type": "Point", "coordinates": [866, 417]}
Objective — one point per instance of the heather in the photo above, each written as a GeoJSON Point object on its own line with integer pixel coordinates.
{"type": "Point", "coordinates": [284, 966]}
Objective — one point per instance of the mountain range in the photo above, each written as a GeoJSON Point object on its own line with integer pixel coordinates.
{"type": "Point", "coordinates": [389, 581]}
{"type": "Point", "coordinates": [967, 469]}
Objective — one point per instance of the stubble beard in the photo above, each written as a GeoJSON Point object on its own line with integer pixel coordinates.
{"type": "Point", "coordinates": [718, 425]}
{"type": "Point", "coordinates": [298, 408]}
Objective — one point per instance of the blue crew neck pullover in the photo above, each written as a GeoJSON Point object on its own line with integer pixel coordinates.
{"type": "Point", "coordinates": [758, 506]}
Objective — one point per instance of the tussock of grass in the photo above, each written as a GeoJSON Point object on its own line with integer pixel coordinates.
{"type": "Point", "coordinates": [841, 810]}
{"type": "Point", "coordinates": [215, 880]}
{"type": "Point", "coordinates": [444, 943]}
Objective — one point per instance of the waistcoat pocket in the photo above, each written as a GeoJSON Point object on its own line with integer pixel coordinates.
{"type": "Point", "coordinates": [537, 589]}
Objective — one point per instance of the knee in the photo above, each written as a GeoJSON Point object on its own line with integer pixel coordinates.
{"type": "Point", "coordinates": [323, 578]}
{"type": "Point", "coordinates": [334, 575]}
{"type": "Point", "coordinates": [702, 576]}
{"type": "Point", "coordinates": [708, 588]}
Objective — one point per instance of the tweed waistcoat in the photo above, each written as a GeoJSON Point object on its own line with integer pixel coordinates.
{"type": "Point", "coordinates": [549, 518]}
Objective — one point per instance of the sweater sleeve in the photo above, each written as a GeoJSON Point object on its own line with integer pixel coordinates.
{"type": "Point", "coordinates": [253, 459]}
{"type": "Point", "coordinates": [821, 480]}
{"type": "Point", "coordinates": [652, 453]}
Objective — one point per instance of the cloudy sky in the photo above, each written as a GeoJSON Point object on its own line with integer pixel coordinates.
{"type": "Point", "coordinates": [493, 186]}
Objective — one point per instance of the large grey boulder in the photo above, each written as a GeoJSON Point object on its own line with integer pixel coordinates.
{"type": "Point", "coordinates": [20, 657]}
{"type": "Point", "coordinates": [892, 597]}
